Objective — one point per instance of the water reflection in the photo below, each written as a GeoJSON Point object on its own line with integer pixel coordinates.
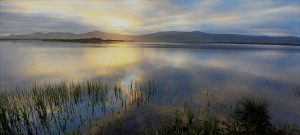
{"type": "Point", "coordinates": [181, 74]}
{"type": "Point", "coordinates": [110, 57]}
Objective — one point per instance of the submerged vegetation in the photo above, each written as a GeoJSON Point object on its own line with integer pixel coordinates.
{"type": "Point", "coordinates": [67, 107]}
{"type": "Point", "coordinates": [75, 107]}
{"type": "Point", "coordinates": [249, 117]}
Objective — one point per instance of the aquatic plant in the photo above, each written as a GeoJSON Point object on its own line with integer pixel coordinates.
{"type": "Point", "coordinates": [250, 117]}
{"type": "Point", "coordinates": [56, 108]}
{"type": "Point", "coordinates": [211, 126]}
{"type": "Point", "coordinates": [73, 107]}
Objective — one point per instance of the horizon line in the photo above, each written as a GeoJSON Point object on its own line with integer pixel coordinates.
{"type": "Point", "coordinates": [7, 35]}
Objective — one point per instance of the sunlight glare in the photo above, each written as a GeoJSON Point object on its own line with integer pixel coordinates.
{"type": "Point", "coordinates": [111, 57]}
{"type": "Point", "coordinates": [119, 23]}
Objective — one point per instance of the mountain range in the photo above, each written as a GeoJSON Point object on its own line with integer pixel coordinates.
{"type": "Point", "coordinates": [167, 36]}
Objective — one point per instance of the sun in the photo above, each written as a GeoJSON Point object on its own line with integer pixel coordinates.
{"type": "Point", "coordinates": [119, 23]}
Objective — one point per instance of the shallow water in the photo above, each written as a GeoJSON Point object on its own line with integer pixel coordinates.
{"type": "Point", "coordinates": [183, 73]}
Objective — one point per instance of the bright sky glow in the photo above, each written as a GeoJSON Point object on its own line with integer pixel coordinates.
{"type": "Point", "coordinates": [258, 17]}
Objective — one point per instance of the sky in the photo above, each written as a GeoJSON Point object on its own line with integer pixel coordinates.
{"type": "Point", "coordinates": [249, 17]}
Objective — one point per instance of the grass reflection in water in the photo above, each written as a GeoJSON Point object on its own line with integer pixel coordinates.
{"type": "Point", "coordinates": [75, 107]}
{"type": "Point", "coordinates": [55, 108]}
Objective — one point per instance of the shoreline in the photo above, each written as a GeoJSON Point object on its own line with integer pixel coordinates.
{"type": "Point", "coordinates": [86, 40]}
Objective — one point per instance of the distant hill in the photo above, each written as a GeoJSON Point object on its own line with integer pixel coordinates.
{"type": "Point", "coordinates": [83, 40]}
{"type": "Point", "coordinates": [168, 36]}
{"type": "Point", "coordinates": [64, 35]}
{"type": "Point", "coordinates": [201, 37]}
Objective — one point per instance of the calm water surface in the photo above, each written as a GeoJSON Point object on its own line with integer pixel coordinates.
{"type": "Point", "coordinates": [183, 74]}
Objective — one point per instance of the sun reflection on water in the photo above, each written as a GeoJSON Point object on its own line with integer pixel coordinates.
{"type": "Point", "coordinates": [111, 57]}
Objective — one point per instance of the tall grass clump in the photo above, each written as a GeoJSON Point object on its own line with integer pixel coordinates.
{"type": "Point", "coordinates": [250, 117]}
{"type": "Point", "coordinates": [189, 122]}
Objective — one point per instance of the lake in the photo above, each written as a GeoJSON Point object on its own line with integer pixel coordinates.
{"type": "Point", "coordinates": [182, 72]}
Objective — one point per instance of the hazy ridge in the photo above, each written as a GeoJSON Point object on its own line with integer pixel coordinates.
{"type": "Point", "coordinates": [167, 36]}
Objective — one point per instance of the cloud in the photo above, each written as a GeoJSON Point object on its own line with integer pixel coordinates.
{"type": "Point", "coordinates": [216, 16]}
{"type": "Point", "coordinates": [22, 24]}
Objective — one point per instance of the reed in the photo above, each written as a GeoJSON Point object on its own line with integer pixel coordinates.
{"type": "Point", "coordinates": [72, 107]}
{"type": "Point", "coordinates": [53, 108]}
